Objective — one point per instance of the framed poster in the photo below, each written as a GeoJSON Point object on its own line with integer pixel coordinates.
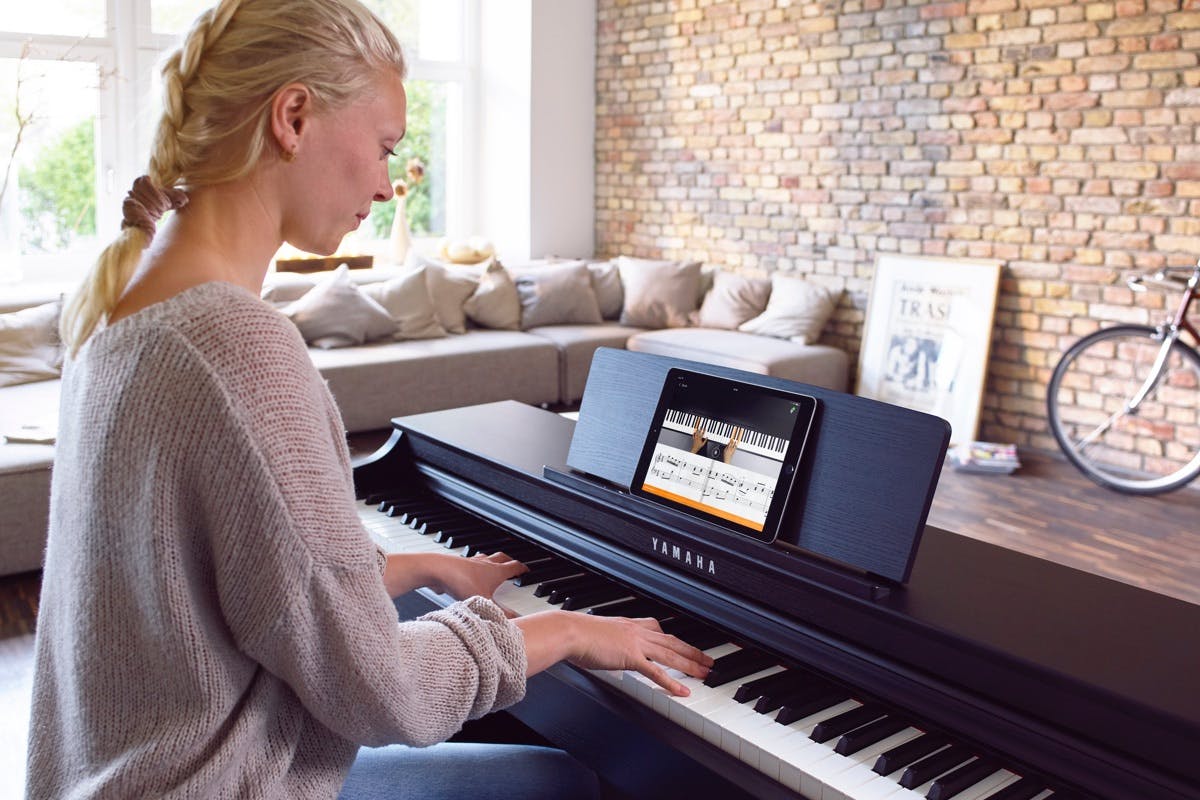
{"type": "Point", "coordinates": [927, 336]}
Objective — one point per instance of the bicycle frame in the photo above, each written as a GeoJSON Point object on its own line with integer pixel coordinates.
{"type": "Point", "coordinates": [1169, 332]}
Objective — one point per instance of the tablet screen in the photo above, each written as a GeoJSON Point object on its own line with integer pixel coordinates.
{"type": "Point", "coordinates": [725, 451]}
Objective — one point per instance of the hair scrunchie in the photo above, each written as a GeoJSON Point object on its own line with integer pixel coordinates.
{"type": "Point", "coordinates": [146, 203]}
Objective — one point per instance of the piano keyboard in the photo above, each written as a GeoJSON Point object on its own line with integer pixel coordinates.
{"type": "Point", "coordinates": [752, 441]}
{"type": "Point", "coordinates": [811, 735]}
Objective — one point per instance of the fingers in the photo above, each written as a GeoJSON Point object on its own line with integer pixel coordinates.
{"type": "Point", "coordinates": [659, 675]}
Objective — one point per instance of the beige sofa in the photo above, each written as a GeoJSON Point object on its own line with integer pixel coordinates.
{"type": "Point", "coordinates": [543, 365]}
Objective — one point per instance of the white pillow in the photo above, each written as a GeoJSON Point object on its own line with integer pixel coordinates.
{"type": "Point", "coordinates": [407, 300]}
{"type": "Point", "coordinates": [335, 313]}
{"type": "Point", "coordinates": [658, 294]}
{"type": "Point", "coordinates": [449, 289]}
{"type": "Point", "coordinates": [558, 294]}
{"type": "Point", "coordinates": [733, 299]}
{"type": "Point", "coordinates": [30, 349]}
{"type": "Point", "coordinates": [281, 288]}
{"type": "Point", "coordinates": [797, 310]}
{"type": "Point", "coordinates": [495, 303]}
{"type": "Point", "coordinates": [606, 283]}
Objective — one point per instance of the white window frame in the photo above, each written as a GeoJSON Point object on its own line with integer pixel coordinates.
{"type": "Point", "coordinates": [132, 50]}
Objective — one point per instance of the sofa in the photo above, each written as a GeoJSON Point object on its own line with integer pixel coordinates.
{"type": "Point", "coordinates": [394, 343]}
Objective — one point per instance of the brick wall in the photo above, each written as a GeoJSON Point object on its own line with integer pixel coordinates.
{"type": "Point", "coordinates": [1058, 136]}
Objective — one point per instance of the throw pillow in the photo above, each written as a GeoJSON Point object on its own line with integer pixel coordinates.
{"type": "Point", "coordinates": [798, 310]}
{"type": "Point", "coordinates": [449, 289]}
{"type": "Point", "coordinates": [30, 349]}
{"type": "Point", "coordinates": [495, 303]}
{"type": "Point", "coordinates": [407, 300]}
{"type": "Point", "coordinates": [281, 288]}
{"type": "Point", "coordinates": [558, 294]}
{"type": "Point", "coordinates": [335, 313]}
{"type": "Point", "coordinates": [658, 294]}
{"type": "Point", "coordinates": [606, 283]}
{"type": "Point", "coordinates": [732, 300]}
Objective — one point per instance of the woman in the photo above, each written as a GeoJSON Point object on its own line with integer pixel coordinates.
{"type": "Point", "coordinates": [214, 620]}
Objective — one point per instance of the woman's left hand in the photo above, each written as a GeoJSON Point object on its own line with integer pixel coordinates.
{"type": "Point", "coordinates": [479, 575]}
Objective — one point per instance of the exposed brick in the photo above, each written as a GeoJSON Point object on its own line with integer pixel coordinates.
{"type": "Point", "coordinates": [1058, 136]}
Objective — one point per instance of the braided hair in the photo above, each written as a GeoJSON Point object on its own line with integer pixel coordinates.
{"type": "Point", "coordinates": [218, 87]}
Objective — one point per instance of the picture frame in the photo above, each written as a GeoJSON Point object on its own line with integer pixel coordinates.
{"type": "Point", "coordinates": [928, 335]}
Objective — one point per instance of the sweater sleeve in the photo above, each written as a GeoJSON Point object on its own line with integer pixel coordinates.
{"type": "Point", "coordinates": [298, 576]}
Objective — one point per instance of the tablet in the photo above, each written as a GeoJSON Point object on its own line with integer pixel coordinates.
{"type": "Point", "coordinates": [725, 451]}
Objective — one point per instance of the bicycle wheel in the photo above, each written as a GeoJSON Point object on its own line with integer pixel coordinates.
{"type": "Point", "coordinates": [1145, 450]}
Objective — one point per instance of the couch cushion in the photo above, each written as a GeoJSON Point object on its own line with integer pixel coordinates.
{"type": "Point", "coordinates": [798, 310]}
{"type": "Point", "coordinates": [406, 299]}
{"type": "Point", "coordinates": [732, 300]}
{"type": "Point", "coordinates": [25, 475]}
{"type": "Point", "coordinates": [335, 313]}
{"type": "Point", "coordinates": [576, 345]}
{"type": "Point", "coordinates": [559, 294]}
{"type": "Point", "coordinates": [819, 365]}
{"type": "Point", "coordinates": [658, 294]}
{"type": "Point", "coordinates": [30, 349]}
{"type": "Point", "coordinates": [376, 382]}
{"type": "Point", "coordinates": [495, 303]}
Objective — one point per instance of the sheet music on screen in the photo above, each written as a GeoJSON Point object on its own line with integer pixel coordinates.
{"type": "Point", "coordinates": [724, 451]}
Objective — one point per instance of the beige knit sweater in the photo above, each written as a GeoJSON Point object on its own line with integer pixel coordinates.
{"type": "Point", "coordinates": [213, 621]}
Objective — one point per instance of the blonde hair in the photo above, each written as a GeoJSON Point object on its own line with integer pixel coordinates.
{"type": "Point", "coordinates": [217, 92]}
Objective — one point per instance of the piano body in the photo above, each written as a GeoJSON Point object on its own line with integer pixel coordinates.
{"type": "Point", "coordinates": [990, 674]}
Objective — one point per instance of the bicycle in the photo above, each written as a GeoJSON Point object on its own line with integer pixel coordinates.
{"type": "Point", "coordinates": [1124, 402]}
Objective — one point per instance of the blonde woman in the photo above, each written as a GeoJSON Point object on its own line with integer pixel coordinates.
{"type": "Point", "coordinates": [214, 620]}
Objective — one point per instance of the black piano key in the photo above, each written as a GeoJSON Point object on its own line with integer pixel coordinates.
{"type": "Point", "coordinates": [561, 589]}
{"type": "Point", "coordinates": [795, 695]}
{"type": "Point", "coordinates": [934, 765]}
{"type": "Point", "coordinates": [463, 536]}
{"type": "Point", "coordinates": [962, 778]}
{"type": "Point", "coordinates": [695, 633]}
{"type": "Point", "coordinates": [738, 665]}
{"type": "Point", "coordinates": [1021, 789]}
{"type": "Point", "coordinates": [904, 754]}
{"type": "Point", "coordinates": [868, 735]}
{"type": "Point", "coordinates": [780, 681]}
{"type": "Point", "coordinates": [797, 710]}
{"type": "Point", "coordinates": [548, 570]}
{"type": "Point", "coordinates": [590, 597]}
{"type": "Point", "coordinates": [633, 607]}
{"type": "Point", "coordinates": [518, 551]}
{"type": "Point", "coordinates": [846, 722]}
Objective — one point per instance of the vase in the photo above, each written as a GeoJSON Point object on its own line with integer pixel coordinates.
{"type": "Point", "coordinates": [401, 240]}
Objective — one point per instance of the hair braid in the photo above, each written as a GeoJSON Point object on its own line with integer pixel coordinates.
{"type": "Point", "coordinates": [179, 71]}
{"type": "Point", "coordinates": [217, 92]}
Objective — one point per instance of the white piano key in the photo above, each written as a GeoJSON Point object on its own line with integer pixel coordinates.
{"type": "Point", "coordinates": [782, 752]}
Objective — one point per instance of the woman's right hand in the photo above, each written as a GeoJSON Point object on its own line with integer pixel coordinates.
{"type": "Point", "coordinates": [594, 642]}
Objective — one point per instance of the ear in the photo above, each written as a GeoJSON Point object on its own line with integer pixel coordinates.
{"type": "Point", "coordinates": [291, 109]}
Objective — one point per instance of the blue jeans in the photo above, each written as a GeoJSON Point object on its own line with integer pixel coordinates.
{"type": "Point", "coordinates": [458, 770]}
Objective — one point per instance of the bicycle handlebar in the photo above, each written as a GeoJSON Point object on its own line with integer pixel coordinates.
{"type": "Point", "coordinates": [1167, 277]}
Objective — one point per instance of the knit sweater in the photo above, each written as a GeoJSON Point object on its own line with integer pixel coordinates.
{"type": "Point", "coordinates": [213, 622]}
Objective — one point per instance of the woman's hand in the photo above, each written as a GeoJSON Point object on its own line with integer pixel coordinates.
{"type": "Point", "coordinates": [479, 575]}
{"type": "Point", "coordinates": [595, 642]}
{"type": "Point", "coordinates": [448, 573]}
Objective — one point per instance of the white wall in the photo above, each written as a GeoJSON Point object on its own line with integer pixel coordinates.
{"type": "Point", "coordinates": [537, 160]}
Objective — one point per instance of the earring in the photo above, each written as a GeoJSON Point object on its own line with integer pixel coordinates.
{"type": "Point", "coordinates": [288, 155]}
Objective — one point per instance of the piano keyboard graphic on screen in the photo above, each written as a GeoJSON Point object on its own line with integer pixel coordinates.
{"type": "Point", "coordinates": [752, 441]}
{"type": "Point", "coordinates": [801, 729]}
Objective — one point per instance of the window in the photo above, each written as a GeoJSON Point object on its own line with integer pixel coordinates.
{"type": "Point", "coordinates": [75, 75]}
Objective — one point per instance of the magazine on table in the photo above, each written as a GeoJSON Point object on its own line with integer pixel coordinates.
{"type": "Point", "coordinates": [985, 457]}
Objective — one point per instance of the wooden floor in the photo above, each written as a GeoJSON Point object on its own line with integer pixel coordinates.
{"type": "Point", "coordinates": [1046, 509]}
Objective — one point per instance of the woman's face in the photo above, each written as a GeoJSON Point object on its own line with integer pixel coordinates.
{"type": "Point", "coordinates": [341, 167]}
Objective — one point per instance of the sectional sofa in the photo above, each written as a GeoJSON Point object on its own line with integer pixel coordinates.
{"type": "Point", "coordinates": [373, 381]}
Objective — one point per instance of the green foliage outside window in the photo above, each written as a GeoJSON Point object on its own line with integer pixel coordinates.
{"type": "Point", "coordinates": [58, 191]}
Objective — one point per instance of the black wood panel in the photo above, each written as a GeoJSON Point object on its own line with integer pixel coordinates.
{"type": "Point", "coordinates": [862, 493]}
